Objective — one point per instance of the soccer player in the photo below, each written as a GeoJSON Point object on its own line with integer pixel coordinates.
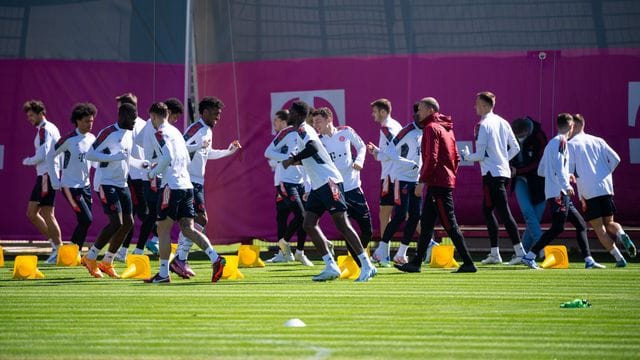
{"type": "Point", "coordinates": [112, 149]}
{"type": "Point", "coordinates": [177, 197]}
{"type": "Point", "coordinates": [74, 179]}
{"type": "Point", "coordinates": [439, 167]}
{"type": "Point", "coordinates": [404, 154]}
{"type": "Point", "coordinates": [554, 166]}
{"type": "Point", "coordinates": [198, 137]}
{"type": "Point", "coordinates": [338, 142]}
{"type": "Point", "coordinates": [289, 185]}
{"type": "Point", "coordinates": [593, 162]}
{"type": "Point", "coordinates": [528, 186]}
{"type": "Point", "coordinates": [495, 146]}
{"type": "Point", "coordinates": [136, 178]}
{"type": "Point", "coordinates": [327, 194]}
{"type": "Point", "coordinates": [41, 208]}
{"type": "Point", "coordinates": [381, 113]}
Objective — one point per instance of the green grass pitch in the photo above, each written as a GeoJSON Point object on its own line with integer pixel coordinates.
{"type": "Point", "coordinates": [499, 312]}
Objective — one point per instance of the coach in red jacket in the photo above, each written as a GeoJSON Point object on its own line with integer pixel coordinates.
{"type": "Point", "coordinates": [439, 166]}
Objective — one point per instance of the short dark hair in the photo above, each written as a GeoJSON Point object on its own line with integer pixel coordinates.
{"type": "Point", "coordinates": [210, 102]}
{"type": "Point", "coordinates": [300, 107]}
{"type": "Point", "coordinates": [159, 108]}
{"type": "Point", "coordinates": [81, 110]}
{"type": "Point", "coordinates": [127, 98]}
{"type": "Point", "coordinates": [325, 112]}
{"type": "Point", "coordinates": [283, 115]}
{"type": "Point", "coordinates": [36, 106]}
{"type": "Point", "coordinates": [127, 111]}
{"type": "Point", "coordinates": [174, 105]}
{"type": "Point", "coordinates": [383, 104]}
{"type": "Point", "coordinates": [487, 97]}
{"type": "Point", "coordinates": [563, 120]}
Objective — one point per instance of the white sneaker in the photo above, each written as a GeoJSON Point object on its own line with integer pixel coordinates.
{"type": "Point", "coordinates": [382, 261]}
{"type": "Point", "coordinates": [515, 260]}
{"type": "Point", "coordinates": [285, 248]}
{"type": "Point", "coordinates": [53, 258]}
{"type": "Point", "coordinates": [400, 260]}
{"type": "Point", "coordinates": [302, 258]}
{"type": "Point", "coordinates": [492, 259]}
{"type": "Point", "coordinates": [366, 273]}
{"type": "Point", "coordinates": [121, 255]}
{"type": "Point", "coordinates": [326, 275]}
{"type": "Point", "coordinates": [278, 258]}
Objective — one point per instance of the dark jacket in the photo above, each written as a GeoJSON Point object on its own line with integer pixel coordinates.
{"type": "Point", "coordinates": [439, 152]}
{"type": "Point", "coordinates": [526, 162]}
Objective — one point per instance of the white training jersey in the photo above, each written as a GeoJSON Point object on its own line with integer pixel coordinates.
{"type": "Point", "coordinates": [495, 146]}
{"type": "Point", "coordinates": [389, 129]}
{"type": "Point", "coordinates": [195, 136]}
{"type": "Point", "coordinates": [174, 159]}
{"type": "Point", "coordinates": [319, 166]}
{"type": "Point", "coordinates": [283, 145]}
{"type": "Point", "coordinates": [112, 169]}
{"type": "Point", "coordinates": [554, 167]}
{"type": "Point", "coordinates": [405, 154]}
{"type": "Point", "coordinates": [46, 136]}
{"type": "Point", "coordinates": [593, 161]}
{"type": "Point", "coordinates": [75, 167]}
{"type": "Point", "coordinates": [338, 145]}
{"type": "Point", "coordinates": [137, 151]}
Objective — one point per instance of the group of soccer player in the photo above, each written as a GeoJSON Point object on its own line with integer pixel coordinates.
{"type": "Point", "coordinates": [149, 167]}
{"type": "Point", "coordinates": [315, 171]}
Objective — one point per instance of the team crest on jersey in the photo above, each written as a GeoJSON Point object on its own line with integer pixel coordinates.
{"type": "Point", "coordinates": [342, 138]}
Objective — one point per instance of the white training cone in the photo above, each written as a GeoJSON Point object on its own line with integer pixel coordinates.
{"type": "Point", "coordinates": [294, 323]}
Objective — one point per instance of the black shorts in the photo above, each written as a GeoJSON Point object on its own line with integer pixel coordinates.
{"type": "Point", "coordinates": [357, 206]}
{"type": "Point", "coordinates": [175, 204]}
{"type": "Point", "coordinates": [327, 197]}
{"type": "Point", "coordinates": [151, 194]}
{"type": "Point", "coordinates": [79, 199]}
{"type": "Point", "coordinates": [599, 206]}
{"type": "Point", "coordinates": [115, 199]}
{"type": "Point", "coordinates": [198, 197]}
{"type": "Point", "coordinates": [136, 187]}
{"type": "Point", "coordinates": [42, 192]}
{"type": "Point", "coordinates": [386, 195]}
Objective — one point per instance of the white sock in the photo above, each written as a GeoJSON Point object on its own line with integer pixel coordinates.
{"type": "Point", "coordinates": [54, 246]}
{"type": "Point", "coordinates": [616, 253]}
{"type": "Point", "coordinates": [108, 257]}
{"type": "Point", "coordinates": [301, 252]}
{"type": "Point", "coordinates": [530, 255]}
{"type": "Point", "coordinates": [330, 263]}
{"type": "Point", "coordinates": [93, 253]}
{"type": "Point", "coordinates": [364, 260]}
{"type": "Point", "coordinates": [402, 250]}
{"type": "Point", "coordinates": [518, 249]}
{"type": "Point", "coordinates": [495, 251]}
{"type": "Point", "coordinates": [123, 251]}
{"type": "Point", "coordinates": [213, 255]}
{"type": "Point", "coordinates": [383, 250]}
{"type": "Point", "coordinates": [620, 232]}
{"type": "Point", "coordinates": [137, 251]}
{"type": "Point", "coordinates": [589, 259]}
{"type": "Point", "coordinates": [164, 267]}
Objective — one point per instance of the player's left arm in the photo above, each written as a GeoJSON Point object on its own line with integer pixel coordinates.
{"type": "Point", "coordinates": [43, 148]}
{"type": "Point", "coordinates": [612, 157]}
{"type": "Point", "coordinates": [513, 147]}
{"type": "Point", "coordinates": [361, 149]}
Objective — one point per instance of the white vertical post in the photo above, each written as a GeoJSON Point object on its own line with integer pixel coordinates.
{"type": "Point", "coordinates": [187, 63]}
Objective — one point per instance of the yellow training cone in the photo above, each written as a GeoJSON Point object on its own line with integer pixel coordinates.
{"type": "Point", "coordinates": [137, 267]}
{"type": "Point", "coordinates": [249, 256]}
{"type": "Point", "coordinates": [68, 255]}
{"type": "Point", "coordinates": [174, 250]}
{"type": "Point", "coordinates": [442, 257]}
{"type": "Point", "coordinates": [1, 257]}
{"type": "Point", "coordinates": [348, 267]}
{"type": "Point", "coordinates": [555, 257]}
{"type": "Point", "coordinates": [231, 271]}
{"type": "Point", "coordinates": [26, 267]}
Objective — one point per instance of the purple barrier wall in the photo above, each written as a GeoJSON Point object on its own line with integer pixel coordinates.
{"type": "Point", "coordinates": [240, 195]}
{"type": "Point", "coordinates": [61, 84]}
{"type": "Point", "coordinates": [239, 190]}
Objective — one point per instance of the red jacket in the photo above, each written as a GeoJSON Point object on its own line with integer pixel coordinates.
{"type": "Point", "coordinates": [439, 152]}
